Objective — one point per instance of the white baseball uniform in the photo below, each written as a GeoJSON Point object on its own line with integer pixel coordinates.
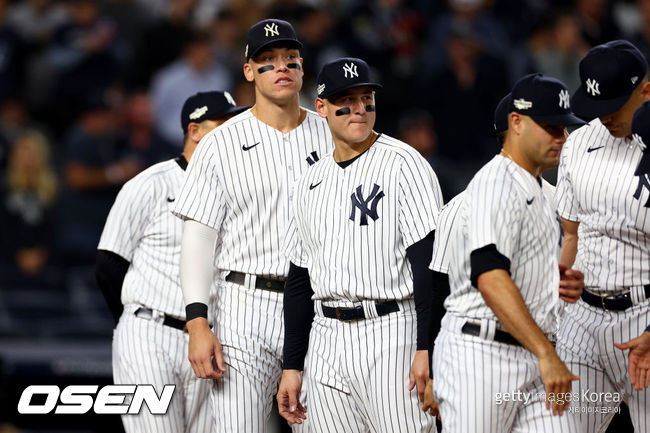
{"type": "Point", "coordinates": [240, 182]}
{"type": "Point", "coordinates": [597, 188]}
{"type": "Point", "coordinates": [141, 228]}
{"type": "Point", "coordinates": [351, 229]}
{"type": "Point", "coordinates": [507, 207]}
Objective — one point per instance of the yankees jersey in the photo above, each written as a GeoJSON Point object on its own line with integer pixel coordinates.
{"type": "Point", "coordinates": [352, 225]}
{"type": "Point", "coordinates": [504, 205]}
{"type": "Point", "coordinates": [141, 228]}
{"type": "Point", "coordinates": [597, 188]}
{"type": "Point", "coordinates": [240, 182]}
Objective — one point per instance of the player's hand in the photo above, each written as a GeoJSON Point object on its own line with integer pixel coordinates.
{"type": "Point", "coordinates": [572, 282]}
{"type": "Point", "coordinates": [205, 353]}
{"type": "Point", "coordinates": [288, 405]}
{"type": "Point", "coordinates": [557, 379]}
{"type": "Point", "coordinates": [429, 404]}
{"type": "Point", "coordinates": [639, 360]}
{"type": "Point", "coordinates": [419, 375]}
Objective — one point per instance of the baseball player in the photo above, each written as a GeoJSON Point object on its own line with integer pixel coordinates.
{"type": "Point", "coordinates": [503, 272]}
{"type": "Point", "coordinates": [237, 193]}
{"type": "Point", "coordinates": [571, 281]}
{"type": "Point", "coordinates": [639, 356]}
{"type": "Point", "coordinates": [356, 215]}
{"type": "Point", "coordinates": [605, 212]}
{"type": "Point", "coordinates": [138, 261]}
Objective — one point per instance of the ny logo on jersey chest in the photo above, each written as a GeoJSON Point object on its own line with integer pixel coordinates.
{"type": "Point", "coordinates": [311, 160]}
{"type": "Point", "coordinates": [644, 183]}
{"type": "Point", "coordinates": [361, 203]}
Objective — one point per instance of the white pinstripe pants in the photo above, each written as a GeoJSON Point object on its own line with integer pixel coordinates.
{"type": "Point", "coordinates": [471, 375]}
{"type": "Point", "coordinates": [146, 351]}
{"type": "Point", "coordinates": [357, 375]}
{"type": "Point", "coordinates": [586, 340]}
{"type": "Point", "coordinates": [250, 326]}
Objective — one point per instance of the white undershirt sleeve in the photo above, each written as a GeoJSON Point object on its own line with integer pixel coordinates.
{"type": "Point", "coordinates": [197, 258]}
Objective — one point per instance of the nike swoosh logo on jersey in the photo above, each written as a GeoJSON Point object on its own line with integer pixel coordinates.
{"type": "Point", "coordinates": [170, 200]}
{"type": "Point", "coordinates": [244, 147]}
{"type": "Point", "coordinates": [591, 149]}
{"type": "Point", "coordinates": [314, 185]}
{"type": "Point", "coordinates": [529, 202]}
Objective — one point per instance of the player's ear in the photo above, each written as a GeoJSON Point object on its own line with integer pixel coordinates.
{"type": "Point", "coordinates": [194, 131]}
{"type": "Point", "coordinates": [515, 122]}
{"type": "Point", "coordinates": [248, 72]}
{"type": "Point", "coordinates": [321, 107]}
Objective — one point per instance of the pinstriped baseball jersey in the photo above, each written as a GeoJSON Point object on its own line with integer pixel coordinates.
{"type": "Point", "coordinates": [504, 205]}
{"type": "Point", "coordinates": [449, 216]}
{"type": "Point", "coordinates": [240, 182]}
{"type": "Point", "coordinates": [141, 228]}
{"type": "Point", "coordinates": [597, 188]}
{"type": "Point", "coordinates": [352, 225]}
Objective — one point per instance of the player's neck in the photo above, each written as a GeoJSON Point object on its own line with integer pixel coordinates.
{"type": "Point", "coordinates": [513, 153]}
{"type": "Point", "coordinates": [284, 117]}
{"type": "Point", "coordinates": [346, 151]}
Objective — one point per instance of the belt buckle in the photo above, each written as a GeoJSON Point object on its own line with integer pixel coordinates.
{"type": "Point", "coordinates": [604, 298]}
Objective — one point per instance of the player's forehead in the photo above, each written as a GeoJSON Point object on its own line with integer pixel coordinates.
{"type": "Point", "coordinates": [276, 50]}
{"type": "Point", "coordinates": [355, 91]}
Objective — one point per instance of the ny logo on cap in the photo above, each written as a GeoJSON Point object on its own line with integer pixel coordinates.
{"type": "Point", "coordinates": [564, 99]}
{"type": "Point", "coordinates": [351, 68]}
{"type": "Point", "coordinates": [593, 87]}
{"type": "Point", "coordinates": [271, 30]}
{"type": "Point", "coordinates": [229, 98]}
{"type": "Point", "coordinates": [198, 112]}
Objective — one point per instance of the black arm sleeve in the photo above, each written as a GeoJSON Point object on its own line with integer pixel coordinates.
{"type": "Point", "coordinates": [486, 259]}
{"type": "Point", "coordinates": [298, 317]}
{"type": "Point", "coordinates": [419, 254]}
{"type": "Point", "coordinates": [110, 270]}
{"type": "Point", "coordinates": [440, 293]}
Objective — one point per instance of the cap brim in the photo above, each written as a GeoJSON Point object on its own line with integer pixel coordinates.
{"type": "Point", "coordinates": [281, 41]}
{"type": "Point", "coordinates": [560, 119]}
{"type": "Point", "coordinates": [350, 86]}
{"type": "Point", "coordinates": [232, 110]}
{"type": "Point", "coordinates": [589, 108]}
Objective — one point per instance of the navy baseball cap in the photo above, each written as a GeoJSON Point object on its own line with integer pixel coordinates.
{"type": "Point", "coordinates": [641, 125]}
{"type": "Point", "coordinates": [270, 31]}
{"type": "Point", "coordinates": [609, 73]}
{"type": "Point", "coordinates": [544, 99]}
{"type": "Point", "coordinates": [343, 74]}
{"type": "Point", "coordinates": [504, 107]}
{"type": "Point", "coordinates": [208, 105]}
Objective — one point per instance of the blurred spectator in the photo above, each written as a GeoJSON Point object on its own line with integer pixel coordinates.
{"type": "Point", "coordinates": [596, 21]}
{"type": "Point", "coordinates": [462, 98]}
{"type": "Point", "coordinates": [162, 42]}
{"type": "Point", "coordinates": [320, 45]}
{"type": "Point", "coordinates": [12, 57]}
{"type": "Point", "coordinates": [523, 57]}
{"type": "Point", "coordinates": [37, 20]}
{"type": "Point", "coordinates": [83, 56]}
{"type": "Point", "coordinates": [137, 124]}
{"type": "Point", "coordinates": [131, 20]}
{"type": "Point", "coordinates": [27, 213]}
{"type": "Point", "coordinates": [642, 38]}
{"type": "Point", "coordinates": [196, 71]}
{"type": "Point", "coordinates": [567, 48]}
{"type": "Point", "coordinates": [226, 35]}
{"type": "Point", "coordinates": [98, 161]}
{"type": "Point", "coordinates": [416, 129]}
{"type": "Point", "coordinates": [472, 14]}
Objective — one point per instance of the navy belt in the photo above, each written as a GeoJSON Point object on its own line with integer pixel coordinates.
{"type": "Point", "coordinates": [274, 285]}
{"type": "Point", "coordinates": [474, 329]}
{"type": "Point", "coordinates": [356, 313]}
{"type": "Point", "coordinates": [167, 320]}
{"type": "Point", "coordinates": [612, 302]}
